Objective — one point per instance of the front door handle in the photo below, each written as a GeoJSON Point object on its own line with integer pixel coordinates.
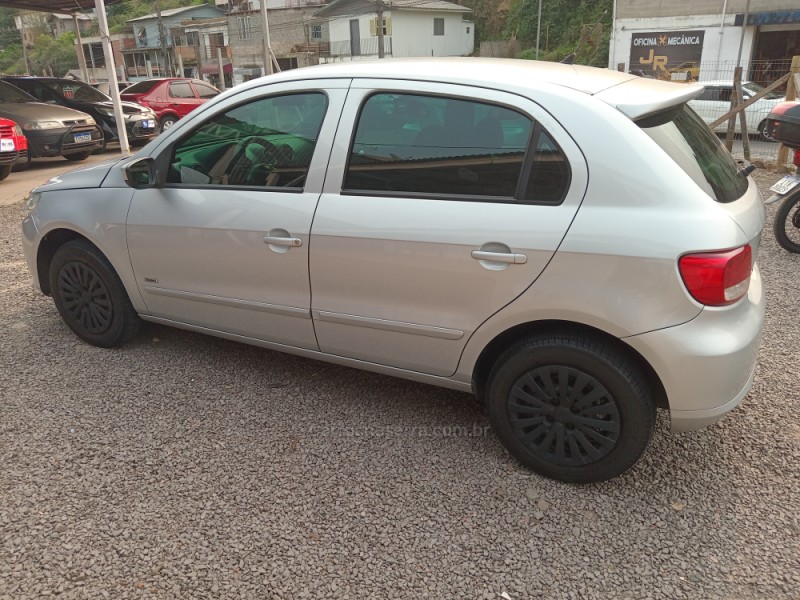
{"type": "Point", "coordinates": [276, 240]}
{"type": "Point", "coordinates": [511, 258]}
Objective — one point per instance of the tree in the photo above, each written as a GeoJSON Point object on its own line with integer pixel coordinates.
{"type": "Point", "coordinates": [55, 55]}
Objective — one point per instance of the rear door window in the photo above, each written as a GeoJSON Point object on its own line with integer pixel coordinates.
{"type": "Point", "coordinates": [684, 136]}
{"type": "Point", "coordinates": [180, 90]}
{"type": "Point", "coordinates": [436, 146]}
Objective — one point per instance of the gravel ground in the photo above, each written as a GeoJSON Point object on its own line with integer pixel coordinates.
{"type": "Point", "coordinates": [183, 466]}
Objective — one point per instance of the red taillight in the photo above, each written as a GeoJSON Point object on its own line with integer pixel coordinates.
{"type": "Point", "coordinates": [797, 158]}
{"type": "Point", "coordinates": [717, 278]}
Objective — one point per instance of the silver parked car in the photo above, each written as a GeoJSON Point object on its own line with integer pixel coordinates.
{"type": "Point", "coordinates": [571, 244]}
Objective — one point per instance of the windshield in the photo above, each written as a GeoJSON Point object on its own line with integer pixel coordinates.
{"type": "Point", "coordinates": [9, 93]}
{"type": "Point", "coordinates": [684, 136]}
{"type": "Point", "coordinates": [77, 90]}
{"type": "Point", "coordinates": [142, 87]}
{"type": "Point", "coordinates": [754, 88]}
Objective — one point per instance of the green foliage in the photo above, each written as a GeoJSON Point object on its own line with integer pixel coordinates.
{"type": "Point", "coordinates": [53, 55]}
{"type": "Point", "coordinates": [581, 26]}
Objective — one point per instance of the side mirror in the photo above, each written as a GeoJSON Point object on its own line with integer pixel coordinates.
{"type": "Point", "coordinates": [141, 173]}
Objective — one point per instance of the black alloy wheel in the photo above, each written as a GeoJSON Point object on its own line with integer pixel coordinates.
{"type": "Point", "coordinates": [571, 406]}
{"type": "Point", "coordinates": [90, 297]}
{"type": "Point", "coordinates": [563, 415]}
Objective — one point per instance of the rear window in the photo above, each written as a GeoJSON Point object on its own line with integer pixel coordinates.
{"type": "Point", "coordinates": [684, 136]}
{"type": "Point", "coordinates": [142, 87]}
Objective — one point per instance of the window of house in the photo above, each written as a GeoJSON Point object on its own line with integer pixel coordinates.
{"type": "Point", "coordinates": [387, 26]}
{"type": "Point", "coordinates": [245, 28]}
{"type": "Point", "coordinates": [316, 32]}
{"type": "Point", "coordinates": [191, 38]}
{"type": "Point", "coordinates": [267, 143]}
{"type": "Point", "coordinates": [438, 26]}
{"type": "Point", "coordinates": [467, 29]}
{"type": "Point", "coordinates": [434, 146]}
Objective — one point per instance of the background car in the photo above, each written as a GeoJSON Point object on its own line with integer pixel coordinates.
{"type": "Point", "coordinates": [170, 98]}
{"type": "Point", "coordinates": [13, 147]}
{"type": "Point", "coordinates": [51, 130]}
{"type": "Point", "coordinates": [715, 101]}
{"type": "Point", "coordinates": [105, 86]}
{"type": "Point", "coordinates": [141, 123]}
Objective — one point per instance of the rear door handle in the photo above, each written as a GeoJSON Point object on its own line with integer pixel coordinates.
{"type": "Point", "coordinates": [275, 240]}
{"type": "Point", "coordinates": [501, 257]}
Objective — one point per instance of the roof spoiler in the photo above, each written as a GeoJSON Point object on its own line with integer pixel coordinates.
{"type": "Point", "coordinates": [641, 97]}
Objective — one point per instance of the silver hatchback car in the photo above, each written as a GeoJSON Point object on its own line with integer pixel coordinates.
{"type": "Point", "coordinates": [571, 244]}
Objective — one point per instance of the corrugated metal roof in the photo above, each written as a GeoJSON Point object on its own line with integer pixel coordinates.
{"type": "Point", "coordinates": [61, 6]}
{"type": "Point", "coordinates": [361, 7]}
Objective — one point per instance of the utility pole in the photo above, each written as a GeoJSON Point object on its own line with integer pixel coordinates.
{"type": "Point", "coordinates": [21, 21]}
{"type": "Point", "coordinates": [379, 27]}
{"type": "Point", "coordinates": [81, 56]}
{"type": "Point", "coordinates": [161, 36]}
{"type": "Point", "coordinates": [538, 29]}
{"type": "Point", "coordinates": [265, 38]}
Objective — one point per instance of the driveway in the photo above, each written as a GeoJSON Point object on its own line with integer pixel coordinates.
{"type": "Point", "coordinates": [184, 466]}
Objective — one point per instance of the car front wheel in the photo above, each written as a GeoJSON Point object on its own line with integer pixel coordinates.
{"type": "Point", "coordinates": [78, 156]}
{"type": "Point", "coordinates": [571, 407]}
{"type": "Point", "coordinates": [90, 297]}
{"type": "Point", "coordinates": [5, 171]}
{"type": "Point", "coordinates": [167, 121]}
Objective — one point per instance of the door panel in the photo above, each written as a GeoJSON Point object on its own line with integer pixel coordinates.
{"type": "Point", "coordinates": [225, 243]}
{"type": "Point", "coordinates": [404, 281]}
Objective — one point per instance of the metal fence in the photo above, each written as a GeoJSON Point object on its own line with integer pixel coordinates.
{"type": "Point", "coordinates": [363, 48]}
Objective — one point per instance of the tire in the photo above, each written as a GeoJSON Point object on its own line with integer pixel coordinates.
{"type": "Point", "coordinates": [787, 223]}
{"type": "Point", "coordinates": [102, 148]}
{"type": "Point", "coordinates": [5, 171]}
{"type": "Point", "coordinates": [90, 297]}
{"type": "Point", "coordinates": [167, 121]}
{"type": "Point", "coordinates": [537, 417]}
{"type": "Point", "coordinates": [763, 133]}
{"type": "Point", "coordinates": [23, 166]}
{"type": "Point", "coordinates": [78, 156]}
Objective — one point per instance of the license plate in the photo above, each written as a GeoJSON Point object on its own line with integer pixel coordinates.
{"type": "Point", "coordinates": [148, 124]}
{"type": "Point", "coordinates": [785, 184]}
{"type": "Point", "coordinates": [83, 137]}
{"type": "Point", "coordinates": [6, 145]}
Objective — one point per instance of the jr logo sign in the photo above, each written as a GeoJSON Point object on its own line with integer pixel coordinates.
{"type": "Point", "coordinates": [667, 54]}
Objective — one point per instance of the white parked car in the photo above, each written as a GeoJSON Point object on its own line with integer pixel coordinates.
{"type": "Point", "coordinates": [715, 101]}
{"type": "Point", "coordinates": [571, 244]}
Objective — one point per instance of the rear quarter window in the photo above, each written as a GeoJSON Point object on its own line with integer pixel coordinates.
{"type": "Point", "coordinates": [683, 135]}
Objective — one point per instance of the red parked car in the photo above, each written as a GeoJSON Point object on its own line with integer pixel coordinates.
{"type": "Point", "coordinates": [170, 98]}
{"type": "Point", "coordinates": [13, 146]}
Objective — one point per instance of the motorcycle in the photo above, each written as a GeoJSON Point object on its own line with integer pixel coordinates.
{"type": "Point", "coordinates": [784, 123]}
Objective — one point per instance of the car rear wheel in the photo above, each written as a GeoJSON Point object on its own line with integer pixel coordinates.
{"type": "Point", "coordinates": [78, 156]}
{"type": "Point", "coordinates": [90, 297]}
{"type": "Point", "coordinates": [571, 407]}
{"type": "Point", "coordinates": [5, 171]}
{"type": "Point", "coordinates": [762, 131]}
{"type": "Point", "coordinates": [167, 121]}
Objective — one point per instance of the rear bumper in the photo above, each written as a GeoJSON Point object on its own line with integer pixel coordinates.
{"type": "Point", "coordinates": [707, 365]}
